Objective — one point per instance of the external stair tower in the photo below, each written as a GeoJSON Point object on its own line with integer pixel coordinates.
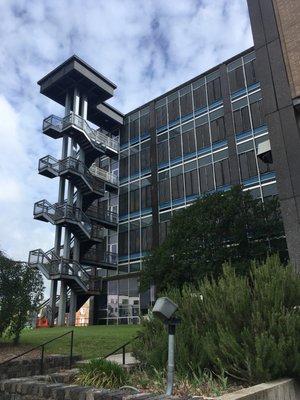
{"type": "Point", "coordinates": [81, 224]}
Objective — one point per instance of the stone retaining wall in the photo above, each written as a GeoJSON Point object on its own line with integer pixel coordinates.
{"type": "Point", "coordinates": [29, 367]}
{"type": "Point", "coordinates": [60, 386]}
{"type": "Point", "coordinates": [56, 387]}
{"type": "Point", "coordinates": [283, 389]}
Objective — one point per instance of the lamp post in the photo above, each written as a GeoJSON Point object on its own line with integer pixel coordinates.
{"type": "Point", "coordinates": [164, 309]}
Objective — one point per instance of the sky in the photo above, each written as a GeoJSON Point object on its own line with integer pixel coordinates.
{"type": "Point", "coordinates": [145, 47]}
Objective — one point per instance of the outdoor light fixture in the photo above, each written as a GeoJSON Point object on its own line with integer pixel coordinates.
{"type": "Point", "coordinates": [164, 309]}
{"type": "Point", "coordinates": [264, 152]}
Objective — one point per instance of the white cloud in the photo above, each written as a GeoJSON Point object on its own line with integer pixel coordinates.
{"type": "Point", "coordinates": [145, 47]}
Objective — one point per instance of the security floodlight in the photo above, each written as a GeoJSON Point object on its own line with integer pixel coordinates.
{"type": "Point", "coordinates": [164, 309]}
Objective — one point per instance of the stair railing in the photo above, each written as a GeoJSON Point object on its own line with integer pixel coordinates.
{"type": "Point", "coordinates": [94, 177]}
{"type": "Point", "coordinates": [98, 137]}
{"type": "Point", "coordinates": [123, 348]}
{"type": "Point", "coordinates": [42, 347]}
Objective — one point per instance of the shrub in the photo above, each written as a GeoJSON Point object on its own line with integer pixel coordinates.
{"type": "Point", "coordinates": [21, 290]}
{"type": "Point", "coordinates": [247, 327]}
{"type": "Point", "coordinates": [102, 374]}
{"type": "Point", "coordinates": [217, 228]}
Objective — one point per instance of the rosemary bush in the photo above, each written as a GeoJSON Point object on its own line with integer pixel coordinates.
{"type": "Point", "coordinates": [245, 327]}
{"type": "Point", "coordinates": [101, 373]}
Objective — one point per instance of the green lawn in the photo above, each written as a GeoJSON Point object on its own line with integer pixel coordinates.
{"type": "Point", "coordinates": [89, 342]}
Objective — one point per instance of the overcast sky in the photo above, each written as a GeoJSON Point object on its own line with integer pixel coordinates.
{"type": "Point", "coordinates": [145, 47]}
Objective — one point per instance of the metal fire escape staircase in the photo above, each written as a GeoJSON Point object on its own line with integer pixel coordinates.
{"type": "Point", "coordinates": [83, 92]}
{"type": "Point", "coordinates": [89, 226]}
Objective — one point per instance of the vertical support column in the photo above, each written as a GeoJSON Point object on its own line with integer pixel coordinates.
{"type": "Point", "coordinates": [62, 303]}
{"type": "Point", "coordinates": [73, 296]}
{"type": "Point", "coordinates": [53, 294]}
{"type": "Point", "coordinates": [58, 234]}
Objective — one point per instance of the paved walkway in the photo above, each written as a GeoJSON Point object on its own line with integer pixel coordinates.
{"type": "Point", "coordinates": [118, 358]}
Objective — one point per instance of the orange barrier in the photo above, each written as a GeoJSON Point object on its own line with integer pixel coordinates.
{"type": "Point", "coordinates": [42, 322]}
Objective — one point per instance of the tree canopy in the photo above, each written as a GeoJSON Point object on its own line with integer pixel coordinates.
{"type": "Point", "coordinates": [220, 227]}
{"type": "Point", "coordinates": [21, 290]}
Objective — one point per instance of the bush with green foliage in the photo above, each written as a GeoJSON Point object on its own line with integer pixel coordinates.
{"type": "Point", "coordinates": [101, 373]}
{"type": "Point", "coordinates": [247, 327]}
{"type": "Point", "coordinates": [21, 291]}
{"type": "Point", "coordinates": [220, 227]}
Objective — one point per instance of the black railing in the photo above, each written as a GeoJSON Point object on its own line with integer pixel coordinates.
{"type": "Point", "coordinates": [95, 256]}
{"type": "Point", "coordinates": [42, 347]}
{"type": "Point", "coordinates": [123, 348]}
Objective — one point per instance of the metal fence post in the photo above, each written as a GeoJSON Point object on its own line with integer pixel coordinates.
{"type": "Point", "coordinates": [123, 355]}
{"type": "Point", "coordinates": [71, 349]}
{"type": "Point", "coordinates": [42, 361]}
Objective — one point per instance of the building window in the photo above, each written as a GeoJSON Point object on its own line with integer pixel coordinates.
{"type": "Point", "coordinates": [199, 94]}
{"type": "Point", "coordinates": [202, 133]}
{"type": "Point", "coordinates": [123, 240]}
{"type": "Point", "coordinates": [222, 173]}
{"type": "Point", "coordinates": [164, 228]}
{"type": "Point", "coordinates": [236, 79]}
{"type": "Point", "coordinates": [145, 155]}
{"type": "Point", "coordinates": [146, 234]}
{"type": "Point", "coordinates": [134, 126]}
{"type": "Point", "coordinates": [188, 138]}
{"type": "Point", "coordinates": [217, 127]}
{"type": "Point", "coordinates": [134, 197]}
{"type": "Point", "coordinates": [177, 183]}
{"type": "Point", "coordinates": [123, 200]}
{"type": "Point", "coordinates": [247, 165]}
{"type": "Point", "coordinates": [214, 90]}
{"type": "Point", "coordinates": [175, 144]}
{"type": "Point", "coordinates": [134, 238]}
{"type": "Point", "coordinates": [145, 194]}
{"type": "Point", "coordinates": [258, 118]}
{"type": "Point", "coordinates": [163, 187]}
{"type": "Point", "coordinates": [191, 183]}
{"type": "Point", "coordinates": [242, 119]}
{"type": "Point", "coordinates": [124, 164]}
{"type": "Point", "coordinates": [206, 178]}
{"type": "Point", "coordinates": [124, 134]}
{"type": "Point", "coordinates": [164, 225]}
{"type": "Point", "coordinates": [186, 105]}
{"type": "Point", "coordinates": [144, 121]}
{"type": "Point", "coordinates": [250, 73]}
{"type": "Point", "coordinates": [134, 160]}
{"type": "Point", "coordinates": [162, 149]}
{"type": "Point", "coordinates": [161, 117]}
{"type": "Point", "coordinates": [173, 108]}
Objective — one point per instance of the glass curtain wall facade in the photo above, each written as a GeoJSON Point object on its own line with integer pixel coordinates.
{"type": "Point", "coordinates": [198, 138]}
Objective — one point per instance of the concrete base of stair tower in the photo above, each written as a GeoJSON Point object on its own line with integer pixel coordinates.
{"type": "Point", "coordinates": [62, 304]}
{"type": "Point", "coordinates": [72, 309]}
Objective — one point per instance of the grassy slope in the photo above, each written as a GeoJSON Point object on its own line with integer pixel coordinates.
{"type": "Point", "coordinates": [90, 341]}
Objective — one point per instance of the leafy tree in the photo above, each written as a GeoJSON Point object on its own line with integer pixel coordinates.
{"type": "Point", "coordinates": [247, 327]}
{"type": "Point", "coordinates": [220, 227]}
{"type": "Point", "coordinates": [21, 290]}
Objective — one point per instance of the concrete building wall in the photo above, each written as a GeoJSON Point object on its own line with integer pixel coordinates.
{"type": "Point", "coordinates": [198, 138]}
{"type": "Point", "coordinates": [281, 116]}
{"type": "Point", "coordinates": [288, 21]}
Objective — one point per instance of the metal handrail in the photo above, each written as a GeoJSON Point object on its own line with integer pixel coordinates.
{"type": "Point", "coordinates": [98, 137]}
{"type": "Point", "coordinates": [58, 211]}
{"type": "Point", "coordinates": [60, 265]}
{"type": "Point", "coordinates": [42, 346]}
{"type": "Point", "coordinates": [106, 256]}
{"type": "Point", "coordinates": [123, 350]}
{"type": "Point", "coordinates": [102, 213]}
{"type": "Point", "coordinates": [92, 174]}
{"type": "Point", "coordinates": [76, 214]}
{"type": "Point", "coordinates": [105, 175]}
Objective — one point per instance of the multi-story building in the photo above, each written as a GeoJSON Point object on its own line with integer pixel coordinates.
{"type": "Point", "coordinates": [206, 135]}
